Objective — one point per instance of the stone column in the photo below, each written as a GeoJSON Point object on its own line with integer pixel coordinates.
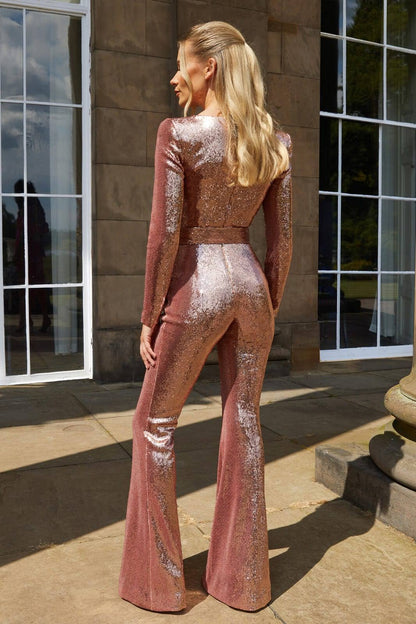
{"type": "Point", "coordinates": [394, 451]}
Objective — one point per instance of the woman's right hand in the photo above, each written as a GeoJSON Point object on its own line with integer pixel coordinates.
{"type": "Point", "coordinates": [147, 354]}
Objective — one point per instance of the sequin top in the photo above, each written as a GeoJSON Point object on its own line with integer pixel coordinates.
{"type": "Point", "coordinates": [191, 190]}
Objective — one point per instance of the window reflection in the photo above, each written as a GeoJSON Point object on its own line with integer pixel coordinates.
{"type": "Point", "coordinates": [331, 21]}
{"type": "Point", "coordinates": [365, 19]}
{"type": "Point", "coordinates": [364, 80]}
{"type": "Point", "coordinates": [331, 75]}
{"type": "Point", "coordinates": [11, 276]}
{"type": "Point", "coordinates": [327, 310]}
{"type": "Point", "coordinates": [359, 219]}
{"type": "Point", "coordinates": [328, 221]}
{"type": "Point", "coordinates": [53, 44]}
{"type": "Point", "coordinates": [328, 155]}
{"type": "Point", "coordinates": [54, 148]}
{"type": "Point", "coordinates": [11, 145]}
{"type": "Point", "coordinates": [358, 319]}
{"type": "Point", "coordinates": [401, 86]}
{"type": "Point", "coordinates": [359, 158]}
{"type": "Point", "coordinates": [401, 23]}
{"type": "Point", "coordinates": [15, 332]}
{"type": "Point", "coordinates": [396, 309]}
{"type": "Point", "coordinates": [61, 346]}
{"type": "Point", "coordinates": [399, 159]}
{"type": "Point", "coordinates": [11, 53]}
{"type": "Point", "coordinates": [398, 233]}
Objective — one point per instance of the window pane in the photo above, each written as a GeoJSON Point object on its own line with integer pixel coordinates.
{"type": "Point", "coordinates": [398, 233]}
{"type": "Point", "coordinates": [56, 340]}
{"type": "Point", "coordinates": [360, 158]}
{"type": "Point", "coordinates": [365, 19]}
{"type": "Point", "coordinates": [331, 16]}
{"type": "Point", "coordinates": [359, 218]}
{"type": "Point", "coordinates": [399, 161]}
{"type": "Point", "coordinates": [11, 146]}
{"type": "Point", "coordinates": [15, 332]}
{"type": "Point", "coordinates": [364, 80]}
{"type": "Point", "coordinates": [53, 67]}
{"type": "Point", "coordinates": [13, 241]}
{"type": "Point", "coordinates": [328, 155]}
{"type": "Point", "coordinates": [401, 86]}
{"type": "Point", "coordinates": [327, 310]}
{"type": "Point", "coordinates": [328, 232]}
{"type": "Point", "coordinates": [11, 54]}
{"type": "Point", "coordinates": [396, 309]}
{"type": "Point", "coordinates": [401, 23]}
{"type": "Point", "coordinates": [358, 321]}
{"type": "Point", "coordinates": [331, 75]}
{"type": "Point", "coordinates": [54, 149]}
{"type": "Point", "coordinates": [55, 243]}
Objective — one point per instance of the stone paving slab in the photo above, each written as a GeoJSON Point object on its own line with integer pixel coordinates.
{"type": "Point", "coordinates": [39, 444]}
{"type": "Point", "coordinates": [334, 563]}
{"type": "Point", "coordinates": [36, 408]}
{"type": "Point", "coordinates": [317, 420]}
{"type": "Point", "coordinates": [42, 507]}
{"type": "Point", "coordinates": [341, 383]}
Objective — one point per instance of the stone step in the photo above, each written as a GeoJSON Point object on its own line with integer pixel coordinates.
{"type": "Point", "coordinates": [349, 471]}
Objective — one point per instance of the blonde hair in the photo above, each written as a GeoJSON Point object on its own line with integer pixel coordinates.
{"type": "Point", "coordinates": [254, 152]}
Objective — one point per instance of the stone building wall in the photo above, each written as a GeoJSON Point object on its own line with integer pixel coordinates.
{"type": "Point", "coordinates": [133, 58]}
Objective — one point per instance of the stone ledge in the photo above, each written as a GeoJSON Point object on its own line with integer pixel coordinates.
{"type": "Point", "coordinates": [349, 471]}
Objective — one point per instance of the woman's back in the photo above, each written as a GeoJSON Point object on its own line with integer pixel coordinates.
{"type": "Point", "coordinates": [209, 199]}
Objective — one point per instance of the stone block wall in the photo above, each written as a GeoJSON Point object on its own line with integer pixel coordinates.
{"type": "Point", "coordinates": [133, 57]}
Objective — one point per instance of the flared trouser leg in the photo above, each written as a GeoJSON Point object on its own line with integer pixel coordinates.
{"type": "Point", "coordinates": [151, 573]}
{"type": "Point", "coordinates": [237, 571]}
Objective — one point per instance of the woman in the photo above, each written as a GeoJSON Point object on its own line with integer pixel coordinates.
{"type": "Point", "coordinates": [204, 286]}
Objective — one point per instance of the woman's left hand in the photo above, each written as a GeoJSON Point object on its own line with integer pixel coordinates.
{"type": "Point", "coordinates": [147, 354]}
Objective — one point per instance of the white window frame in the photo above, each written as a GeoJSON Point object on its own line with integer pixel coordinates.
{"type": "Point", "coordinates": [81, 10]}
{"type": "Point", "coordinates": [359, 353]}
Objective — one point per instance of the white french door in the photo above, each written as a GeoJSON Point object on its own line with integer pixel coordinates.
{"type": "Point", "coordinates": [45, 273]}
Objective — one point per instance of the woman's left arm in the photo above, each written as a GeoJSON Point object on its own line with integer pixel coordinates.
{"type": "Point", "coordinates": [165, 222]}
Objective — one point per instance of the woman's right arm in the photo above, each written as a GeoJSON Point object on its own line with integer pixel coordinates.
{"type": "Point", "coordinates": [165, 221]}
{"type": "Point", "coordinates": [277, 208]}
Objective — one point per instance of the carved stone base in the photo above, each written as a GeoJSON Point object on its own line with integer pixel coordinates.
{"type": "Point", "coordinates": [394, 452]}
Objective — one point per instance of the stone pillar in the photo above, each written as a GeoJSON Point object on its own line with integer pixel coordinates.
{"type": "Point", "coordinates": [394, 451]}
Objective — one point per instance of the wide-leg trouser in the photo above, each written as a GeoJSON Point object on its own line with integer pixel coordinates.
{"type": "Point", "coordinates": [218, 295]}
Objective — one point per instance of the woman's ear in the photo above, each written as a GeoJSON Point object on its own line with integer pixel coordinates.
{"type": "Point", "coordinates": [210, 68]}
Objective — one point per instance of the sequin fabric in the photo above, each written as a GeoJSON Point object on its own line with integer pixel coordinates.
{"type": "Point", "coordinates": [204, 286]}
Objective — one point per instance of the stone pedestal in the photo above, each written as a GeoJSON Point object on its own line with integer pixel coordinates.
{"type": "Point", "coordinates": [394, 451]}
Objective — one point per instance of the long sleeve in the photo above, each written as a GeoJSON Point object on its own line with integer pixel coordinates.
{"type": "Point", "coordinates": [277, 207]}
{"type": "Point", "coordinates": [165, 221]}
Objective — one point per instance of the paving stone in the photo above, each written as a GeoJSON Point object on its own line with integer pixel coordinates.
{"type": "Point", "coordinates": [43, 507]}
{"type": "Point", "coordinates": [372, 400]}
{"type": "Point", "coordinates": [110, 401]}
{"type": "Point", "coordinates": [57, 444]}
{"type": "Point", "coordinates": [335, 563]}
{"type": "Point", "coordinates": [290, 476]}
{"type": "Point", "coordinates": [310, 422]}
{"type": "Point", "coordinates": [344, 384]}
{"type": "Point", "coordinates": [34, 407]}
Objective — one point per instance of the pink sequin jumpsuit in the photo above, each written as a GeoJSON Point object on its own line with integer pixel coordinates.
{"type": "Point", "coordinates": [205, 286]}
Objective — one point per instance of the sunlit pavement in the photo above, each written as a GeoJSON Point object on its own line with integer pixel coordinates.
{"type": "Point", "coordinates": [65, 462]}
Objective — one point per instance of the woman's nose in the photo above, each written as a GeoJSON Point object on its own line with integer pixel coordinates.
{"type": "Point", "coordinates": [174, 80]}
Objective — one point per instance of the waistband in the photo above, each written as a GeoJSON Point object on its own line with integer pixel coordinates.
{"type": "Point", "coordinates": [227, 235]}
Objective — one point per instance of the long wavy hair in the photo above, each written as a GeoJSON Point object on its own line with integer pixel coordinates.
{"type": "Point", "coordinates": [254, 152]}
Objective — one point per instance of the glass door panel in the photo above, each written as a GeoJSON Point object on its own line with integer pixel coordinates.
{"type": "Point", "coordinates": [41, 187]}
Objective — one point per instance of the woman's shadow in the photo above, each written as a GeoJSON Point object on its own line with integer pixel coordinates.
{"type": "Point", "coordinates": [308, 540]}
